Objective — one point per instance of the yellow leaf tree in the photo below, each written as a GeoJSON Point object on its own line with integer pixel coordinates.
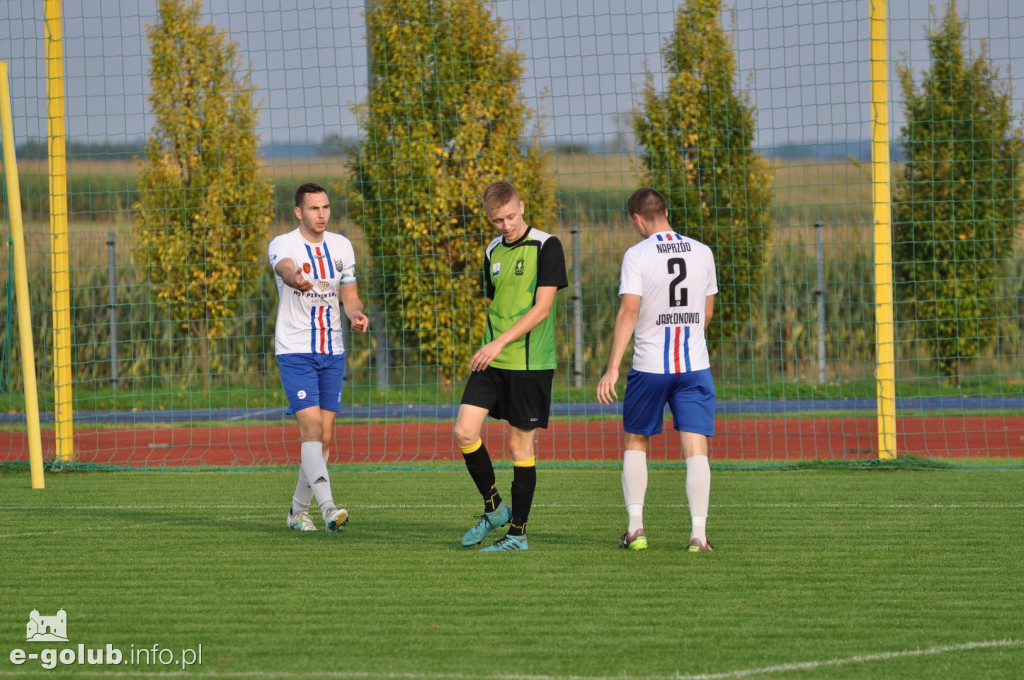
{"type": "Point", "coordinates": [698, 141]}
{"type": "Point", "coordinates": [956, 201]}
{"type": "Point", "coordinates": [444, 117]}
{"type": "Point", "coordinates": [204, 203]}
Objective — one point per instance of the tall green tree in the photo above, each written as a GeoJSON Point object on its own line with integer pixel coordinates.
{"type": "Point", "coordinates": [956, 201]}
{"type": "Point", "coordinates": [204, 203]}
{"type": "Point", "coordinates": [698, 149]}
{"type": "Point", "coordinates": [444, 117]}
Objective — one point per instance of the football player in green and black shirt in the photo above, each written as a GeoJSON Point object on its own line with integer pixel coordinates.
{"type": "Point", "coordinates": [512, 373]}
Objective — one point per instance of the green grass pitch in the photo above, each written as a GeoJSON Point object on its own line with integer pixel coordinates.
{"type": "Point", "coordinates": [817, 573]}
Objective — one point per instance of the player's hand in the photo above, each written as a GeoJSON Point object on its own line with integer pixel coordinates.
{"type": "Point", "coordinates": [485, 355]}
{"type": "Point", "coordinates": [301, 283]}
{"type": "Point", "coordinates": [360, 322]}
{"type": "Point", "coordinates": [606, 387]}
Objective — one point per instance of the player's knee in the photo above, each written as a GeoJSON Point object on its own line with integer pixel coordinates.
{"type": "Point", "coordinates": [520, 453]}
{"type": "Point", "coordinates": [312, 433]}
{"type": "Point", "coordinates": [464, 436]}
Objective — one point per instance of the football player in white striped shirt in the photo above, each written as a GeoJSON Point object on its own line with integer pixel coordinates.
{"type": "Point", "coordinates": [667, 296]}
{"type": "Point", "coordinates": [316, 281]}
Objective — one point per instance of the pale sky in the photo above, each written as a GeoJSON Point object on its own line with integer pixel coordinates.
{"type": "Point", "coordinates": [804, 63]}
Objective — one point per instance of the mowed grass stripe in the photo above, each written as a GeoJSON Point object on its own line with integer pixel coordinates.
{"type": "Point", "coordinates": [788, 668]}
{"type": "Point", "coordinates": [782, 668]}
{"type": "Point", "coordinates": [811, 567]}
{"type": "Point", "coordinates": [274, 510]}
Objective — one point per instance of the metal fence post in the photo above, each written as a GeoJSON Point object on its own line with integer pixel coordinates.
{"type": "Point", "coordinates": [577, 309]}
{"type": "Point", "coordinates": [819, 294]}
{"type": "Point", "coordinates": [112, 285]}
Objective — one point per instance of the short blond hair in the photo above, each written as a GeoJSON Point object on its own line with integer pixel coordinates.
{"type": "Point", "coordinates": [498, 194]}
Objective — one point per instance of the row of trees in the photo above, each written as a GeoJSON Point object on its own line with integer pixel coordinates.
{"type": "Point", "coordinates": [445, 114]}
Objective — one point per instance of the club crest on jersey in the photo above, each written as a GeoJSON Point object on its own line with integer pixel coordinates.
{"type": "Point", "coordinates": [338, 264]}
{"type": "Point", "coordinates": [495, 269]}
{"type": "Point", "coordinates": [519, 268]}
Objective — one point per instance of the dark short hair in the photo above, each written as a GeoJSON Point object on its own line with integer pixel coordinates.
{"type": "Point", "coordinates": [307, 188]}
{"type": "Point", "coordinates": [647, 203]}
{"type": "Point", "coordinates": [498, 194]}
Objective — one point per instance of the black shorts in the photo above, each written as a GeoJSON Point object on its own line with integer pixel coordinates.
{"type": "Point", "coordinates": [523, 398]}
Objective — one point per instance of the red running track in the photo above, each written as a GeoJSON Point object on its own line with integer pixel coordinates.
{"type": "Point", "coordinates": [738, 440]}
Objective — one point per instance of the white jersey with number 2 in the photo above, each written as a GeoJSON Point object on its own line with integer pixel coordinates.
{"type": "Point", "coordinates": [310, 322]}
{"type": "Point", "coordinates": [673, 275]}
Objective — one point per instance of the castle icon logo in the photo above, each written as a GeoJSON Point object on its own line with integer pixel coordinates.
{"type": "Point", "coordinates": [47, 628]}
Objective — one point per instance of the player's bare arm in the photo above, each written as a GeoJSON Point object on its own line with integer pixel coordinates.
{"type": "Point", "coordinates": [544, 301]}
{"type": "Point", "coordinates": [349, 294]}
{"type": "Point", "coordinates": [625, 323]}
{"type": "Point", "coordinates": [292, 275]}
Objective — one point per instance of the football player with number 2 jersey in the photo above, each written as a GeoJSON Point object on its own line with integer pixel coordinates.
{"type": "Point", "coordinates": [667, 293]}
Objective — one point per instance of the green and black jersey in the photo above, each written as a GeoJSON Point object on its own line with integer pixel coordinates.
{"type": "Point", "coordinates": [513, 272]}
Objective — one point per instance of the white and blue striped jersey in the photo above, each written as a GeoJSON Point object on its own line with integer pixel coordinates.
{"type": "Point", "coordinates": [673, 275]}
{"type": "Point", "coordinates": [310, 322]}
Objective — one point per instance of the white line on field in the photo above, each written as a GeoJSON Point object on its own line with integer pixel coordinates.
{"type": "Point", "coordinates": [171, 506]}
{"type": "Point", "coordinates": [83, 530]}
{"type": "Point", "coordinates": [860, 658]}
{"type": "Point", "coordinates": [355, 675]}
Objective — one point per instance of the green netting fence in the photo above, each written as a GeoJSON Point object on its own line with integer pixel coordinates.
{"type": "Point", "coordinates": [754, 117]}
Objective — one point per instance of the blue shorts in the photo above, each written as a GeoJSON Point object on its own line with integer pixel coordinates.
{"type": "Point", "coordinates": [312, 380]}
{"type": "Point", "coordinates": [690, 397]}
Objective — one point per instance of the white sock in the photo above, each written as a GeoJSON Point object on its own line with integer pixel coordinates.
{"type": "Point", "coordinates": [634, 486]}
{"type": "Point", "coordinates": [303, 495]}
{"type": "Point", "coordinates": [698, 493]}
{"type": "Point", "coordinates": [315, 470]}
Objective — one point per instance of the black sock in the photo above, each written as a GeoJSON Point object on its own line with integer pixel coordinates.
{"type": "Point", "coordinates": [524, 482]}
{"type": "Point", "coordinates": [478, 462]}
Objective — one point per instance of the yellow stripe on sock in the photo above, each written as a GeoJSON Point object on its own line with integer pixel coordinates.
{"type": "Point", "coordinates": [529, 462]}
{"type": "Point", "coordinates": [475, 446]}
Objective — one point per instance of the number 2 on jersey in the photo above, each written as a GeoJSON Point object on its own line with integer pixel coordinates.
{"type": "Point", "coordinates": [677, 294]}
